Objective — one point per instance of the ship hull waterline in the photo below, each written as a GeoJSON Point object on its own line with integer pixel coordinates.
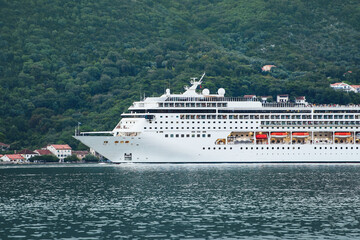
{"type": "Point", "coordinates": [158, 150]}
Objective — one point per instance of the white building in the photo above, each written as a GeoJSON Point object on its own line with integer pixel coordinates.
{"type": "Point", "coordinates": [343, 87]}
{"type": "Point", "coordinates": [60, 150]}
{"type": "Point", "coordinates": [27, 154]}
{"type": "Point", "coordinates": [300, 100]}
{"type": "Point", "coordinates": [13, 158]}
{"type": "Point", "coordinates": [356, 88]}
{"type": "Point", "coordinates": [282, 98]}
{"type": "Point", "coordinates": [253, 97]}
{"type": "Point", "coordinates": [266, 99]}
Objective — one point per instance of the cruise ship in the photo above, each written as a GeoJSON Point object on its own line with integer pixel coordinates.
{"type": "Point", "coordinates": [199, 127]}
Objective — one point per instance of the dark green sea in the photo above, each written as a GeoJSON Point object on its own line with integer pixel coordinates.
{"type": "Point", "coordinates": [221, 201]}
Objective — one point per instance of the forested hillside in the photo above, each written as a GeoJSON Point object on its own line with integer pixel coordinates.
{"type": "Point", "coordinates": [64, 62]}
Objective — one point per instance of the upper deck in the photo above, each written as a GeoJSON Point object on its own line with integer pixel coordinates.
{"type": "Point", "coordinates": [192, 101]}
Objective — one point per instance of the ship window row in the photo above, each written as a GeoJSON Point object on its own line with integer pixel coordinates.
{"type": "Point", "coordinates": [224, 128]}
{"type": "Point", "coordinates": [209, 128]}
{"type": "Point", "coordinates": [311, 123]}
{"type": "Point", "coordinates": [220, 116]}
{"type": "Point", "coordinates": [268, 148]}
{"type": "Point", "coordinates": [187, 135]}
{"type": "Point", "coordinates": [186, 114]}
{"type": "Point", "coordinates": [210, 104]}
{"type": "Point", "coordinates": [325, 148]}
{"type": "Point", "coordinates": [198, 122]}
{"type": "Point", "coordinates": [264, 111]}
{"type": "Point", "coordinates": [279, 148]}
{"type": "Point", "coordinates": [308, 127]}
{"type": "Point", "coordinates": [337, 111]}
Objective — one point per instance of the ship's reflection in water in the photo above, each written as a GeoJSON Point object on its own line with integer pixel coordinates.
{"type": "Point", "coordinates": [180, 201]}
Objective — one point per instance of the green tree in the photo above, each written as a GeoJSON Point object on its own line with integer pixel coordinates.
{"type": "Point", "coordinates": [71, 158]}
{"type": "Point", "coordinates": [90, 158]}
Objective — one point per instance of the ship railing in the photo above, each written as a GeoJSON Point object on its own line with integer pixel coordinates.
{"type": "Point", "coordinates": [100, 133]}
{"type": "Point", "coordinates": [211, 99]}
{"type": "Point", "coordinates": [288, 104]}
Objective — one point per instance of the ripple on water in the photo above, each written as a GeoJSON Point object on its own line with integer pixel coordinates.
{"type": "Point", "coordinates": [180, 201]}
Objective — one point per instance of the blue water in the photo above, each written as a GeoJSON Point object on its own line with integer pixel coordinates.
{"type": "Point", "coordinates": [180, 201]}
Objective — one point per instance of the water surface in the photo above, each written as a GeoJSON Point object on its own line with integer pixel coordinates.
{"type": "Point", "coordinates": [180, 201]}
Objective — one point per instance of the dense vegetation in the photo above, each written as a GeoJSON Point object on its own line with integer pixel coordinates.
{"type": "Point", "coordinates": [64, 62]}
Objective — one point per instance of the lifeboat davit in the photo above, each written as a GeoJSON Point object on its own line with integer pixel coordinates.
{"type": "Point", "coordinates": [342, 134]}
{"type": "Point", "coordinates": [279, 134]}
{"type": "Point", "coordinates": [261, 136]}
{"type": "Point", "coordinates": [300, 135]}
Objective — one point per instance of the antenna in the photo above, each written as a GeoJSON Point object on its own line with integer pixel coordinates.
{"type": "Point", "coordinates": [140, 94]}
{"type": "Point", "coordinates": [202, 77]}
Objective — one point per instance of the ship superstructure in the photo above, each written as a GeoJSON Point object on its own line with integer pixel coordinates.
{"type": "Point", "coordinates": [195, 127]}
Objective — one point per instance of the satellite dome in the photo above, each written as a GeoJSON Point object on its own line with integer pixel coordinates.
{"type": "Point", "coordinates": [206, 92]}
{"type": "Point", "coordinates": [221, 91]}
{"type": "Point", "coordinates": [167, 91]}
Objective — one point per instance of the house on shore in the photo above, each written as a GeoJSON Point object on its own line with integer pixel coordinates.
{"type": "Point", "coordinates": [282, 98]}
{"type": "Point", "coordinates": [266, 99]}
{"type": "Point", "coordinates": [4, 147]}
{"type": "Point", "coordinates": [300, 100]}
{"type": "Point", "coordinates": [80, 154]}
{"type": "Point", "coordinates": [26, 153]}
{"type": "Point", "coordinates": [61, 151]}
{"type": "Point", "coordinates": [250, 97]}
{"type": "Point", "coordinates": [42, 152]}
{"type": "Point", "coordinates": [13, 158]}
{"type": "Point", "coordinates": [96, 154]}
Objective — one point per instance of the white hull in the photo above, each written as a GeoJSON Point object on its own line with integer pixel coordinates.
{"type": "Point", "coordinates": [159, 150]}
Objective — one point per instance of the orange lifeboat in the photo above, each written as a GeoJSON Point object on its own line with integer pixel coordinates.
{"type": "Point", "coordinates": [300, 134]}
{"type": "Point", "coordinates": [279, 134]}
{"type": "Point", "coordinates": [261, 136]}
{"type": "Point", "coordinates": [342, 134]}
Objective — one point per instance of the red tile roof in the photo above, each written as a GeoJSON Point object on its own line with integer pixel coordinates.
{"type": "Point", "coordinates": [61, 146]}
{"type": "Point", "coordinates": [43, 152]}
{"type": "Point", "coordinates": [14, 157]}
{"type": "Point", "coordinates": [338, 84]}
{"type": "Point", "coordinates": [26, 151]}
{"type": "Point", "coordinates": [5, 145]}
{"type": "Point", "coordinates": [80, 152]}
